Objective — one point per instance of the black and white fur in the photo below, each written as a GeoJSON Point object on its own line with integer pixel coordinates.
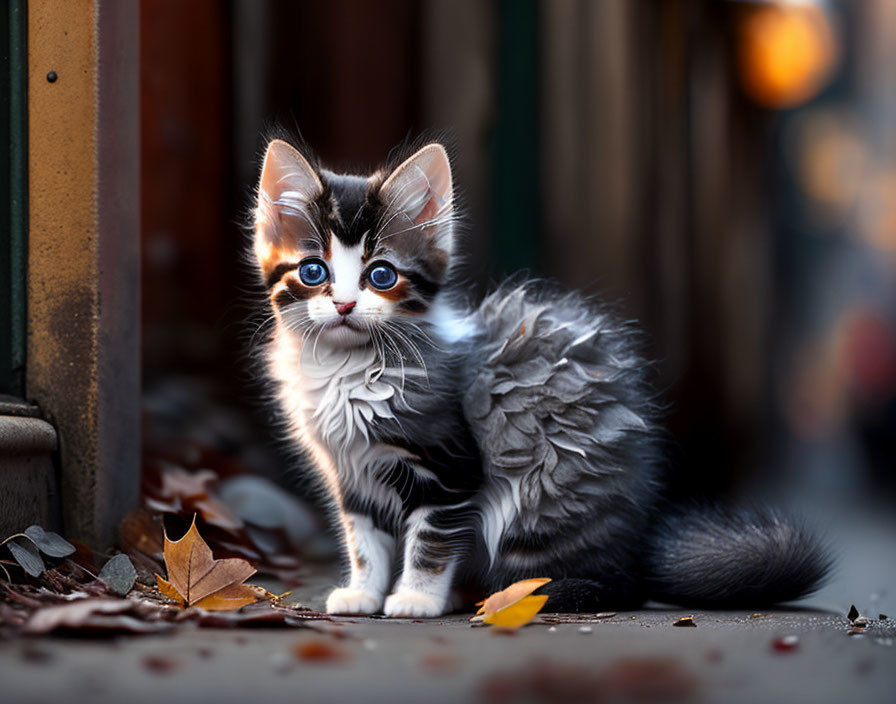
{"type": "Point", "coordinates": [478, 445]}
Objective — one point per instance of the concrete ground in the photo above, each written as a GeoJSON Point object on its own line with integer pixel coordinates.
{"type": "Point", "coordinates": [728, 657]}
{"type": "Point", "coordinates": [793, 655]}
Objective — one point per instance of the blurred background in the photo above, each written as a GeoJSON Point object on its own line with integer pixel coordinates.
{"type": "Point", "coordinates": [725, 171]}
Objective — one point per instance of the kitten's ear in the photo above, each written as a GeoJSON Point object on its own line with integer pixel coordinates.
{"type": "Point", "coordinates": [286, 171]}
{"type": "Point", "coordinates": [287, 186]}
{"type": "Point", "coordinates": [421, 188]}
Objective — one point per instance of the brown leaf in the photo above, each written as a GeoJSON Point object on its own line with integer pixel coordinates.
{"type": "Point", "coordinates": [185, 485]}
{"type": "Point", "coordinates": [685, 622]}
{"type": "Point", "coordinates": [229, 598]}
{"type": "Point", "coordinates": [140, 531]}
{"type": "Point", "coordinates": [193, 491]}
{"type": "Point", "coordinates": [75, 614]}
{"type": "Point", "coordinates": [194, 574]}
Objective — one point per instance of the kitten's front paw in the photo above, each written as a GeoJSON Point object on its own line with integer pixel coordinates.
{"type": "Point", "coordinates": [346, 600]}
{"type": "Point", "coordinates": [409, 604]}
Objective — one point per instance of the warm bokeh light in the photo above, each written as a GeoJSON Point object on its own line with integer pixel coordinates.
{"type": "Point", "coordinates": [786, 53]}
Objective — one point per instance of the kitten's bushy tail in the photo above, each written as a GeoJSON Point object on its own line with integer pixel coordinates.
{"type": "Point", "coordinates": [713, 557]}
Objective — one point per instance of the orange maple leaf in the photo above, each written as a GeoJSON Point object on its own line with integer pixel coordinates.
{"type": "Point", "coordinates": [197, 579]}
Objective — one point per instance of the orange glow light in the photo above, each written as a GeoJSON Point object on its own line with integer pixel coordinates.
{"type": "Point", "coordinates": [786, 53]}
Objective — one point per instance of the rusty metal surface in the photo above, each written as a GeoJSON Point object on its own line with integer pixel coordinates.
{"type": "Point", "coordinates": [83, 275]}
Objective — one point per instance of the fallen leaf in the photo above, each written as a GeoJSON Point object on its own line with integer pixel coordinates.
{"type": "Point", "coordinates": [73, 614]}
{"type": "Point", "coordinates": [50, 543]}
{"type": "Point", "coordinates": [26, 554]}
{"type": "Point", "coordinates": [141, 531]}
{"type": "Point", "coordinates": [119, 574]}
{"type": "Point", "coordinates": [518, 613]}
{"type": "Point", "coordinates": [510, 595]}
{"type": "Point", "coordinates": [229, 598]}
{"type": "Point", "coordinates": [194, 575]}
{"type": "Point", "coordinates": [193, 491]}
{"type": "Point", "coordinates": [685, 622]}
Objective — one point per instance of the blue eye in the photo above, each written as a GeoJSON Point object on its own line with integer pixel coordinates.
{"type": "Point", "coordinates": [382, 276]}
{"type": "Point", "coordinates": [313, 272]}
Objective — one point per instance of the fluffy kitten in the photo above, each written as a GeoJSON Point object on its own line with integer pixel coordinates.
{"type": "Point", "coordinates": [478, 446]}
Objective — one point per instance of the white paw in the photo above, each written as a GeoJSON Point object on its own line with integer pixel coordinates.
{"type": "Point", "coordinates": [411, 604]}
{"type": "Point", "coordinates": [346, 600]}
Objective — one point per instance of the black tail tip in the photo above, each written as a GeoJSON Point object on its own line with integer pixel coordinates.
{"type": "Point", "coordinates": [735, 558]}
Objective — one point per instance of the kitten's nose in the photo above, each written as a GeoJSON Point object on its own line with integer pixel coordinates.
{"type": "Point", "coordinates": [344, 308]}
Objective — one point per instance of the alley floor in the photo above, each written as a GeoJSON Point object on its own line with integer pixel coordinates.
{"type": "Point", "coordinates": [812, 653]}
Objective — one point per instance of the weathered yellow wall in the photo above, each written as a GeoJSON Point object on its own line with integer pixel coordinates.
{"type": "Point", "coordinates": [70, 331]}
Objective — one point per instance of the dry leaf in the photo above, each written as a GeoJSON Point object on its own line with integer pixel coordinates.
{"type": "Point", "coordinates": [229, 598]}
{"type": "Point", "coordinates": [119, 574]}
{"type": "Point", "coordinates": [513, 607]}
{"type": "Point", "coordinates": [194, 575]}
{"type": "Point", "coordinates": [94, 615]}
{"type": "Point", "coordinates": [513, 593]}
{"type": "Point", "coordinates": [518, 613]}
{"type": "Point", "coordinates": [49, 543]}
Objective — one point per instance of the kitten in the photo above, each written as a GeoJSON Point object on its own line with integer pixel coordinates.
{"type": "Point", "coordinates": [475, 446]}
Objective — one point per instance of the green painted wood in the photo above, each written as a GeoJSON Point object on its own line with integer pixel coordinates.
{"type": "Point", "coordinates": [516, 177]}
{"type": "Point", "coordinates": [13, 195]}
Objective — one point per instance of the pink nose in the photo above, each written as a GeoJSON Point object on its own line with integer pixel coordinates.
{"type": "Point", "coordinates": [344, 308]}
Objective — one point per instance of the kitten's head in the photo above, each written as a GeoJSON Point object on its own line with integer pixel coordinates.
{"type": "Point", "coordinates": [344, 256]}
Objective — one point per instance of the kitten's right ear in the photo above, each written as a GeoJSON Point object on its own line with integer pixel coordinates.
{"type": "Point", "coordinates": [287, 187]}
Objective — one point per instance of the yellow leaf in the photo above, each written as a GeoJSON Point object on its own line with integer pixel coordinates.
{"type": "Point", "coordinates": [229, 598]}
{"type": "Point", "coordinates": [518, 613]}
{"type": "Point", "coordinates": [513, 593]}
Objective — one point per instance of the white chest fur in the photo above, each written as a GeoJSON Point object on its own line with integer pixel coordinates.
{"type": "Point", "coordinates": [334, 397]}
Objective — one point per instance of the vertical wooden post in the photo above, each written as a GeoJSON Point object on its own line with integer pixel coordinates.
{"type": "Point", "coordinates": [83, 275]}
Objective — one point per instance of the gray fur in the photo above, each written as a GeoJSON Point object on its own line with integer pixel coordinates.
{"type": "Point", "coordinates": [492, 443]}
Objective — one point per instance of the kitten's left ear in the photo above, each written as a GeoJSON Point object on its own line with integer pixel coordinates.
{"type": "Point", "coordinates": [421, 188]}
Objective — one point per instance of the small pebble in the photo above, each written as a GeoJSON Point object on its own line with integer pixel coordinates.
{"type": "Point", "coordinates": [882, 617]}
{"type": "Point", "coordinates": [853, 613]}
{"type": "Point", "coordinates": [585, 629]}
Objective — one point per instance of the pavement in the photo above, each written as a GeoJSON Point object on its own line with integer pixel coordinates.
{"type": "Point", "coordinates": [811, 653]}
